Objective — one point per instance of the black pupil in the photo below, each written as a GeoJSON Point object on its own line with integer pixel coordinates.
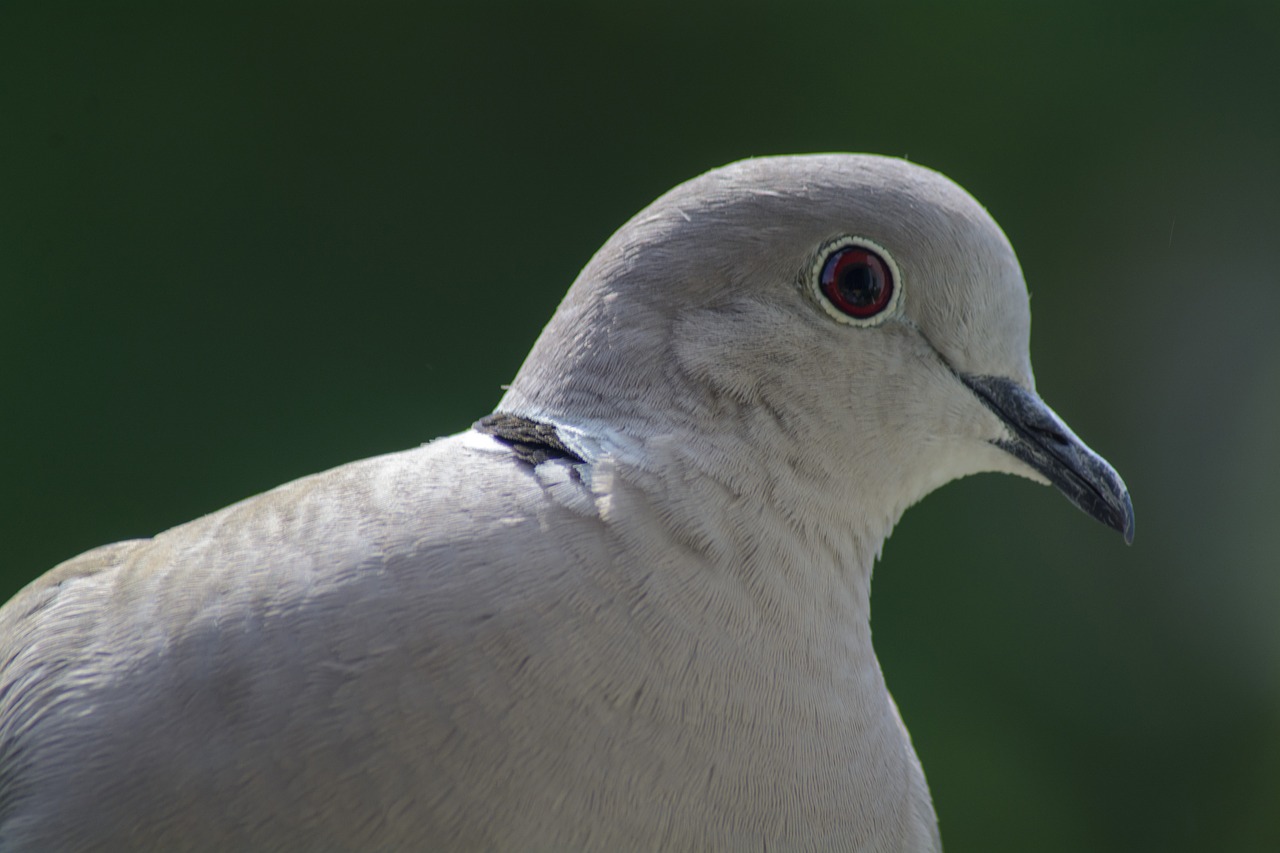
{"type": "Point", "coordinates": [859, 284]}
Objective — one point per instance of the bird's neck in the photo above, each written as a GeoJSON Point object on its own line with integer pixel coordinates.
{"type": "Point", "coordinates": [791, 535]}
{"type": "Point", "coordinates": [781, 598]}
{"type": "Point", "coordinates": [761, 571]}
{"type": "Point", "coordinates": [787, 532]}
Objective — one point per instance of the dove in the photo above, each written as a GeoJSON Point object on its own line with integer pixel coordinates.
{"type": "Point", "coordinates": [629, 609]}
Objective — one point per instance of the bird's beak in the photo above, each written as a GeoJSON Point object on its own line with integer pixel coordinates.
{"type": "Point", "coordinates": [1043, 441]}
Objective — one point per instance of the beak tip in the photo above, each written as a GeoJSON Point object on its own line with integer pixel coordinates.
{"type": "Point", "coordinates": [1116, 513]}
{"type": "Point", "coordinates": [1126, 527]}
{"type": "Point", "coordinates": [1115, 510]}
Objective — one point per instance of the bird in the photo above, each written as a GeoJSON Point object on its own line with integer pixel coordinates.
{"type": "Point", "coordinates": [628, 609]}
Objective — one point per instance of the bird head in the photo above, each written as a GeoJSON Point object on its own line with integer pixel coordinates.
{"type": "Point", "coordinates": [863, 316]}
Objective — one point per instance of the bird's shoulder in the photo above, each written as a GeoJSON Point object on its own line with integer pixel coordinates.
{"type": "Point", "coordinates": [406, 514]}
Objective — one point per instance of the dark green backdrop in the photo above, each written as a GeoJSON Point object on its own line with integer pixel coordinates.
{"type": "Point", "coordinates": [238, 245]}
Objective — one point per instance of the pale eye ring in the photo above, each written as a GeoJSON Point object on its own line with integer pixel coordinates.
{"type": "Point", "coordinates": [856, 281]}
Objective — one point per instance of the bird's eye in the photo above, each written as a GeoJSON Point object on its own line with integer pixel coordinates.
{"type": "Point", "coordinates": [857, 280]}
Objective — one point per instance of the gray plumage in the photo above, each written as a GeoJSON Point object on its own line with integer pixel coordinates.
{"type": "Point", "coordinates": [646, 627]}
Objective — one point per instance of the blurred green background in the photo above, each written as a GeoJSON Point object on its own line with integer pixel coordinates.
{"type": "Point", "coordinates": [239, 244]}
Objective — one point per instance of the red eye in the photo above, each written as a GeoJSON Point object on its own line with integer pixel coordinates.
{"type": "Point", "coordinates": [857, 281]}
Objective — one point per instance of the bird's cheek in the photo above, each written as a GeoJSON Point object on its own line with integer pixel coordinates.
{"type": "Point", "coordinates": [961, 433]}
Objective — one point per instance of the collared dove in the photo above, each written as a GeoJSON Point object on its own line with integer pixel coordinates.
{"type": "Point", "coordinates": [628, 610]}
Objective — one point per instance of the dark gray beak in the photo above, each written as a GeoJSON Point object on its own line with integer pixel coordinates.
{"type": "Point", "coordinates": [1044, 442]}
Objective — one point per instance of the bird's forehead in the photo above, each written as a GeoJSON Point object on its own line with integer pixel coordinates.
{"type": "Point", "coordinates": [784, 205]}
